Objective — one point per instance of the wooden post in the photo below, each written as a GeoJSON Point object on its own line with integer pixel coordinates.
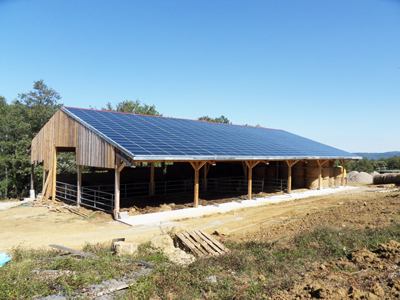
{"type": "Point", "coordinates": [32, 174]}
{"type": "Point", "coordinates": [117, 189]}
{"type": "Point", "coordinates": [320, 165]}
{"type": "Point", "coordinates": [196, 165]}
{"type": "Point", "coordinates": [290, 164]}
{"type": "Point", "coordinates": [46, 189]}
{"type": "Point", "coordinates": [54, 174]}
{"type": "Point", "coordinates": [79, 185]}
{"type": "Point", "coordinates": [250, 165]}
{"type": "Point", "coordinates": [152, 179]}
{"type": "Point", "coordinates": [344, 163]}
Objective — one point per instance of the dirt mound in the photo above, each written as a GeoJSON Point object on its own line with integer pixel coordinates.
{"type": "Point", "coordinates": [377, 279]}
{"type": "Point", "coordinates": [374, 173]}
{"type": "Point", "coordinates": [356, 177]}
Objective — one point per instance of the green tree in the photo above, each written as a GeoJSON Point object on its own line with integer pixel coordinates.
{"type": "Point", "coordinates": [221, 119]}
{"type": "Point", "coordinates": [20, 121]}
{"type": "Point", "coordinates": [41, 104]}
{"type": "Point", "coordinates": [130, 106]}
{"type": "Point", "coordinates": [393, 163]}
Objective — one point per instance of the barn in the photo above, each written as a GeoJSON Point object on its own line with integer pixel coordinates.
{"type": "Point", "coordinates": [125, 156]}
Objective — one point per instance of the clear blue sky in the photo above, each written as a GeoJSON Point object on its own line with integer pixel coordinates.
{"type": "Point", "coordinates": [326, 70]}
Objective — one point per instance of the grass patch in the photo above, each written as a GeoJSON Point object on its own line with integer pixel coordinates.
{"type": "Point", "coordinates": [254, 270]}
{"type": "Point", "coordinates": [257, 270]}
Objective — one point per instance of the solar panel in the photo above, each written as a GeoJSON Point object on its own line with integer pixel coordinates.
{"type": "Point", "coordinates": [148, 137]}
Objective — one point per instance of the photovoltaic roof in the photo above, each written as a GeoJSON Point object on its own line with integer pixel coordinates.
{"type": "Point", "coordinates": [145, 137]}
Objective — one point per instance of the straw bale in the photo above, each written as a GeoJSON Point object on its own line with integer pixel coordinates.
{"type": "Point", "coordinates": [397, 179]}
{"type": "Point", "coordinates": [379, 179]}
{"type": "Point", "coordinates": [390, 178]}
{"type": "Point", "coordinates": [337, 171]}
{"type": "Point", "coordinates": [312, 172]}
{"type": "Point", "coordinates": [311, 183]}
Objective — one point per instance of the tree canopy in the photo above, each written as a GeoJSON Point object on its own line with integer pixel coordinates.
{"type": "Point", "coordinates": [131, 106]}
{"type": "Point", "coordinates": [221, 119]}
{"type": "Point", "coordinates": [20, 121]}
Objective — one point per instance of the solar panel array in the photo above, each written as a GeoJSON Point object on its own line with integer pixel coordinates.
{"type": "Point", "coordinates": [142, 136]}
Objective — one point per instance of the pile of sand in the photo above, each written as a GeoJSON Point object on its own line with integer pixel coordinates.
{"type": "Point", "coordinates": [359, 177]}
{"type": "Point", "coordinates": [374, 173]}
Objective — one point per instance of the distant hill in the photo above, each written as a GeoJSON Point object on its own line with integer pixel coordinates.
{"type": "Point", "coordinates": [377, 156]}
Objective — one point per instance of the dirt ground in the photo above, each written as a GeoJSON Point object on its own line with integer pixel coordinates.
{"type": "Point", "coordinates": [368, 206]}
{"type": "Point", "coordinates": [40, 226]}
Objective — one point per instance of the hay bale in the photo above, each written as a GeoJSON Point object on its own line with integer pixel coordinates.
{"type": "Point", "coordinates": [337, 171]}
{"type": "Point", "coordinates": [312, 172]}
{"type": "Point", "coordinates": [331, 177]}
{"type": "Point", "coordinates": [390, 178]}
{"type": "Point", "coordinates": [379, 179]}
{"type": "Point", "coordinates": [311, 183]}
{"type": "Point", "coordinates": [397, 179]}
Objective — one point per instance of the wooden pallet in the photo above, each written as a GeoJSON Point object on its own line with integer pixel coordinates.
{"type": "Point", "coordinates": [201, 244]}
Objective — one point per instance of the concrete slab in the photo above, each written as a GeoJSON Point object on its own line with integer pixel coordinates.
{"type": "Point", "coordinates": [169, 216]}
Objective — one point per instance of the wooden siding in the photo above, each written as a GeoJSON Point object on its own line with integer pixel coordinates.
{"type": "Point", "coordinates": [64, 131]}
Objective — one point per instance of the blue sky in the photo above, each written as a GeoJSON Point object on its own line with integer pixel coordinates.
{"type": "Point", "coordinates": [326, 70]}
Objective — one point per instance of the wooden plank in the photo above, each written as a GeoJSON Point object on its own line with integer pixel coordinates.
{"type": "Point", "coordinates": [211, 244]}
{"type": "Point", "coordinates": [189, 244]}
{"type": "Point", "coordinates": [46, 189]}
{"type": "Point", "coordinates": [202, 242]}
{"type": "Point", "coordinates": [195, 243]}
{"type": "Point", "coordinates": [222, 247]}
{"type": "Point", "coordinates": [76, 252]}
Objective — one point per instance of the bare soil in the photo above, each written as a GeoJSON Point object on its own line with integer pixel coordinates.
{"type": "Point", "coordinates": [369, 206]}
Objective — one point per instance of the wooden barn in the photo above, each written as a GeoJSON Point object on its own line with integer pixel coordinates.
{"type": "Point", "coordinates": [126, 156]}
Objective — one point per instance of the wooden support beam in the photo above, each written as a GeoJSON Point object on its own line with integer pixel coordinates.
{"type": "Point", "coordinates": [290, 164]}
{"type": "Point", "coordinates": [152, 179]}
{"type": "Point", "coordinates": [53, 186]}
{"type": "Point", "coordinates": [45, 191]}
{"type": "Point", "coordinates": [250, 165]}
{"type": "Point", "coordinates": [32, 175]}
{"type": "Point", "coordinates": [78, 186]}
{"type": "Point", "coordinates": [121, 167]}
{"type": "Point", "coordinates": [117, 180]}
{"type": "Point", "coordinates": [344, 163]}
{"type": "Point", "coordinates": [321, 163]}
{"type": "Point", "coordinates": [196, 166]}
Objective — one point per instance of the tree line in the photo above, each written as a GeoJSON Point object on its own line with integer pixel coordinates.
{"type": "Point", "coordinates": [24, 117]}
{"type": "Point", "coordinates": [369, 165]}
